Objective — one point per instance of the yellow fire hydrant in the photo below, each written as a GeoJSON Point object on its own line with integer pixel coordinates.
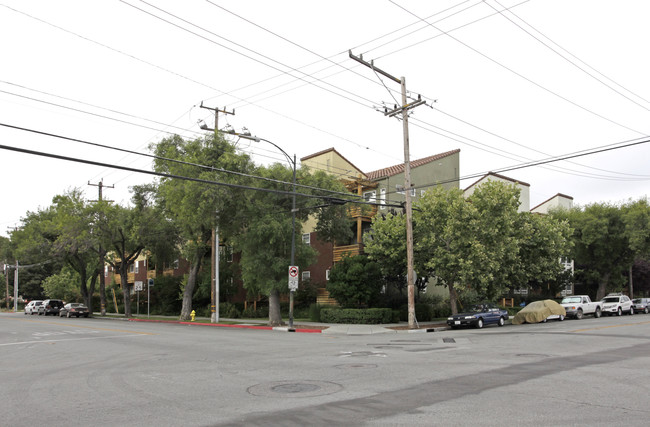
{"type": "Point", "coordinates": [193, 315]}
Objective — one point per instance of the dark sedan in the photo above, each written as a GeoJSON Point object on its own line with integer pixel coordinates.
{"type": "Point", "coordinates": [479, 315]}
{"type": "Point", "coordinates": [74, 309]}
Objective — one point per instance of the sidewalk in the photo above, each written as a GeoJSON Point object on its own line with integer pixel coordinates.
{"type": "Point", "coordinates": [299, 326]}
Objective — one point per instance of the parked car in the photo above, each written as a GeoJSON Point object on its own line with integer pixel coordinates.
{"type": "Point", "coordinates": [578, 305]}
{"type": "Point", "coordinates": [479, 315]}
{"type": "Point", "coordinates": [74, 309]}
{"type": "Point", "coordinates": [539, 311]}
{"type": "Point", "coordinates": [50, 306]}
{"type": "Point", "coordinates": [32, 306]}
{"type": "Point", "coordinates": [641, 305]}
{"type": "Point", "coordinates": [617, 304]}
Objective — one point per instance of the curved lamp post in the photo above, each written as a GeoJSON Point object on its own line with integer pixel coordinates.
{"type": "Point", "coordinates": [292, 162]}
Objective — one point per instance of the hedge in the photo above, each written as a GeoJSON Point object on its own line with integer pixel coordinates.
{"type": "Point", "coordinates": [365, 316]}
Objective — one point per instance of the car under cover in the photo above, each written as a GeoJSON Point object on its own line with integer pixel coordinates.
{"type": "Point", "coordinates": [537, 311]}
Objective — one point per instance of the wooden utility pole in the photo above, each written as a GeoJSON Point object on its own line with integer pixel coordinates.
{"type": "Point", "coordinates": [214, 293]}
{"type": "Point", "coordinates": [102, 255]}
{"type": "Point", "coordinates": [404, 109]}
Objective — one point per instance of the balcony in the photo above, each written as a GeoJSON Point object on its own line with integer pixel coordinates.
{"type": "Point", "coordinates": [363, 211]}
{"type": "Point", "coordinates": [349, 250]}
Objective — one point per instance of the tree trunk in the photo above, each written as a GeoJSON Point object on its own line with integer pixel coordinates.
{"type": "Point", "coordinates": [453, 299]}
{"type": "Point", "coordinates": [275, 317]}
{"type": "Point", "coordinates": [91, 292]}
{"type": "Point", "coordinates": [602, 287]}
{"type": "Point", "coordinates": [189, 288]}
{"type": "Point", "coordinates": [102, 282]}
{"type": "Point", "coordinates": [631, 282]}
{"type": "Point", "coordinates": [126, 289]}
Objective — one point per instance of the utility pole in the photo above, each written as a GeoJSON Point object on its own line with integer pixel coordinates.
{"type": "Point", "coordinates": [16, 288]}
{"type": "Point", "coordinates": [102, 254]}
{"type": "Point", "coordinates": [404, 109]}
{"type": "Point", "coordinates": [214, 308]}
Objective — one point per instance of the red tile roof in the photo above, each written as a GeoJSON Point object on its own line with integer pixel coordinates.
{"type": "Point", "coordinates": [399, 168]}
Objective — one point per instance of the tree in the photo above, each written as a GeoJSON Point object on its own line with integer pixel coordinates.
{"type": "Point", "coordinates": [636, 217]}
{"type": "Point", "coordinates": [265, 238]}
{"type": "Point", "coordinates": [195, 207]}
{"type": "Point", "coordinates": [355, 281]}
{"type": "Point", "coordinates": [543, 241]}
{"type": "Point", "coordinates": [447, 237]}
{"type": "Point", "coordinates": [601, 252]}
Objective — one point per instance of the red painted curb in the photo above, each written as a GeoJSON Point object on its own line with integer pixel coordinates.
{"type": "Point", "coordinates": [221, 325]}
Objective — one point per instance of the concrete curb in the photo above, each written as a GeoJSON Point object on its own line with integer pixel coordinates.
{"type": "Point", "coordinates": [222, 325]}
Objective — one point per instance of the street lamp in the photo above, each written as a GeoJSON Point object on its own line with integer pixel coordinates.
{"type": "Point", "coordinates": [247, 135]}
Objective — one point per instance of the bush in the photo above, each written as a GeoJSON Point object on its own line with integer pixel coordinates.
{"type": "Point", "coordinates": [314, 312]}
{"type": "Point", "coordinates": [366, 316]}
{"type": "Point", "coordinates": [251, 313]}
{"type": "Point", "coordinates": [355, 281]}
{"type": "Point", "coordinates": [228, 310]}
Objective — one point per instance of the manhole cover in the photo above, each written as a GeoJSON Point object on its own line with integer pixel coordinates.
{"type": "Point", "coordinates": [357, 366]}
{"type": "Point", "coordinates": [305, 388]}
{"type": "Point", "coordinates": [449, 340]}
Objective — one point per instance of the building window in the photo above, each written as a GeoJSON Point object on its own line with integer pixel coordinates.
{"type": "Point", "coordinates": [131, 268]}
{"type": "Point", "coordinates": [370, 196]}
{"type": "Point", "coordinates": [306, 275]}
{"type": "Point", "coordinates": [413, 192]}
{"type": "Point", "coordinates": [327, 274]}
{"type": "Point", "coordinates": [137, 266]}
{"type": "Point", "coordinates": [382, 198]}
{"type": "Point", "coordinates": [399, 189]}
{"type": "Point", "coordinates": [306, 238]}
{"type": "Point", "coordinates": [175, 264]}
{"type": "Point", "coordinates": [105, 271]}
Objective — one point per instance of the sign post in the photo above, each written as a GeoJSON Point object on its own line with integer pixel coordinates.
{"type": "Point", "coordinates": [293, 286]}
{"type": "Point", "coordinates": [149, 285]}
{"type": "Point", "coordinates": [138, 287]}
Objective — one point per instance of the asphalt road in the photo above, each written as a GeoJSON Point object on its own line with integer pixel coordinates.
{"type": "Point", "coordinates": [57, 371]}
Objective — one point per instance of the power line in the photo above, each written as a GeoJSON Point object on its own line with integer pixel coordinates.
{"type": "Point", "coordinates": [583, 153]}
{"type": "Point", "coordinates": [567, 59]}
{"type": "Point", "coordinates": [211, 168]}
{"type": "Point", "coordinates": [521, 75]}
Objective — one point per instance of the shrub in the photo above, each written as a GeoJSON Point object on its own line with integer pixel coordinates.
{"type": "Point", "coordinates": [228, 310]}
{"type": "Point", "coordinates": [355, 281]}
{"type": "Point", "coordinates": [251, 313]}
{"type": "Point", "coordinates": [314, 312]}
{"type": "Point", "coordinates": [358, 316]}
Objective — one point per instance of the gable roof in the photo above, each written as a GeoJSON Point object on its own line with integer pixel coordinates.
{"type": "Point", "coordinates": [399, 168]}
{"type": "Point", "coordinates": [551, 198]}
{"type": "Point", "coordinates": [333, 150]}
{"type": "Point", "coordinates": [496, 175]}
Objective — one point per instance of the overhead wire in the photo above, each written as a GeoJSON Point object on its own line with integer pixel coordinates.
{"type": "Point", "coordinates": [565, 57]}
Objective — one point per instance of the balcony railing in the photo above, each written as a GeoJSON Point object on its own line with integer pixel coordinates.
{"type": "Point", "coordinates": [349, 250]}
{"type": "Point", "coordinates": [364, 211]}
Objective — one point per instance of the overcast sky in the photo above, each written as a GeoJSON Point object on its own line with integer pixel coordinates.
{"type": "Point", "coordinates": [506, 81]}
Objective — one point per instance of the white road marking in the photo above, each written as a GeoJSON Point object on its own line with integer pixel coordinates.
{"type": "Point", "coordinates": [71, 339]}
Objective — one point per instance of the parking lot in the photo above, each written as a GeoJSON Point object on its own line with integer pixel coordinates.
{"type": "Point", "coordinates": [111, 372]}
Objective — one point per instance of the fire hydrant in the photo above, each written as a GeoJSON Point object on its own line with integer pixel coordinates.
{"type": "Point", "coordinates": [193, 315]}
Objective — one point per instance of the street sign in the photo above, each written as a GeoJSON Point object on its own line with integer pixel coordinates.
{"type": "Point", "coordinates": [150, 282]}
{"type": "Point", "coordinates": [293, 277]}
{"type": "Point", "coordinates": [138, 285]}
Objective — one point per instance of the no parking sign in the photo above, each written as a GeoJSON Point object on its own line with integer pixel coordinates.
{"type": "Point", "coordinates": [293, 277]}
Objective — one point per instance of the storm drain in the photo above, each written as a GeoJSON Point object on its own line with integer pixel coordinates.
{"type": "Point", "coordinates": [448, 340]}
{"type": "Point", "coordinates": [305, 388]}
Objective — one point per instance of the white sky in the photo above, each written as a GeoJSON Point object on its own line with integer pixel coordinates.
{"type": "Point", "coordinates": [112, 60]}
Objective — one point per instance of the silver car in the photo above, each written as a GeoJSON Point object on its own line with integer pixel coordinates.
{"type": "Point", "coordinates": [32, 306]}
{"type": "Point", "coordinates": [641, 305]}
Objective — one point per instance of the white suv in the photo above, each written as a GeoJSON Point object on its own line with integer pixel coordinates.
{"type": "Point", "coordinates": [617, 304]}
